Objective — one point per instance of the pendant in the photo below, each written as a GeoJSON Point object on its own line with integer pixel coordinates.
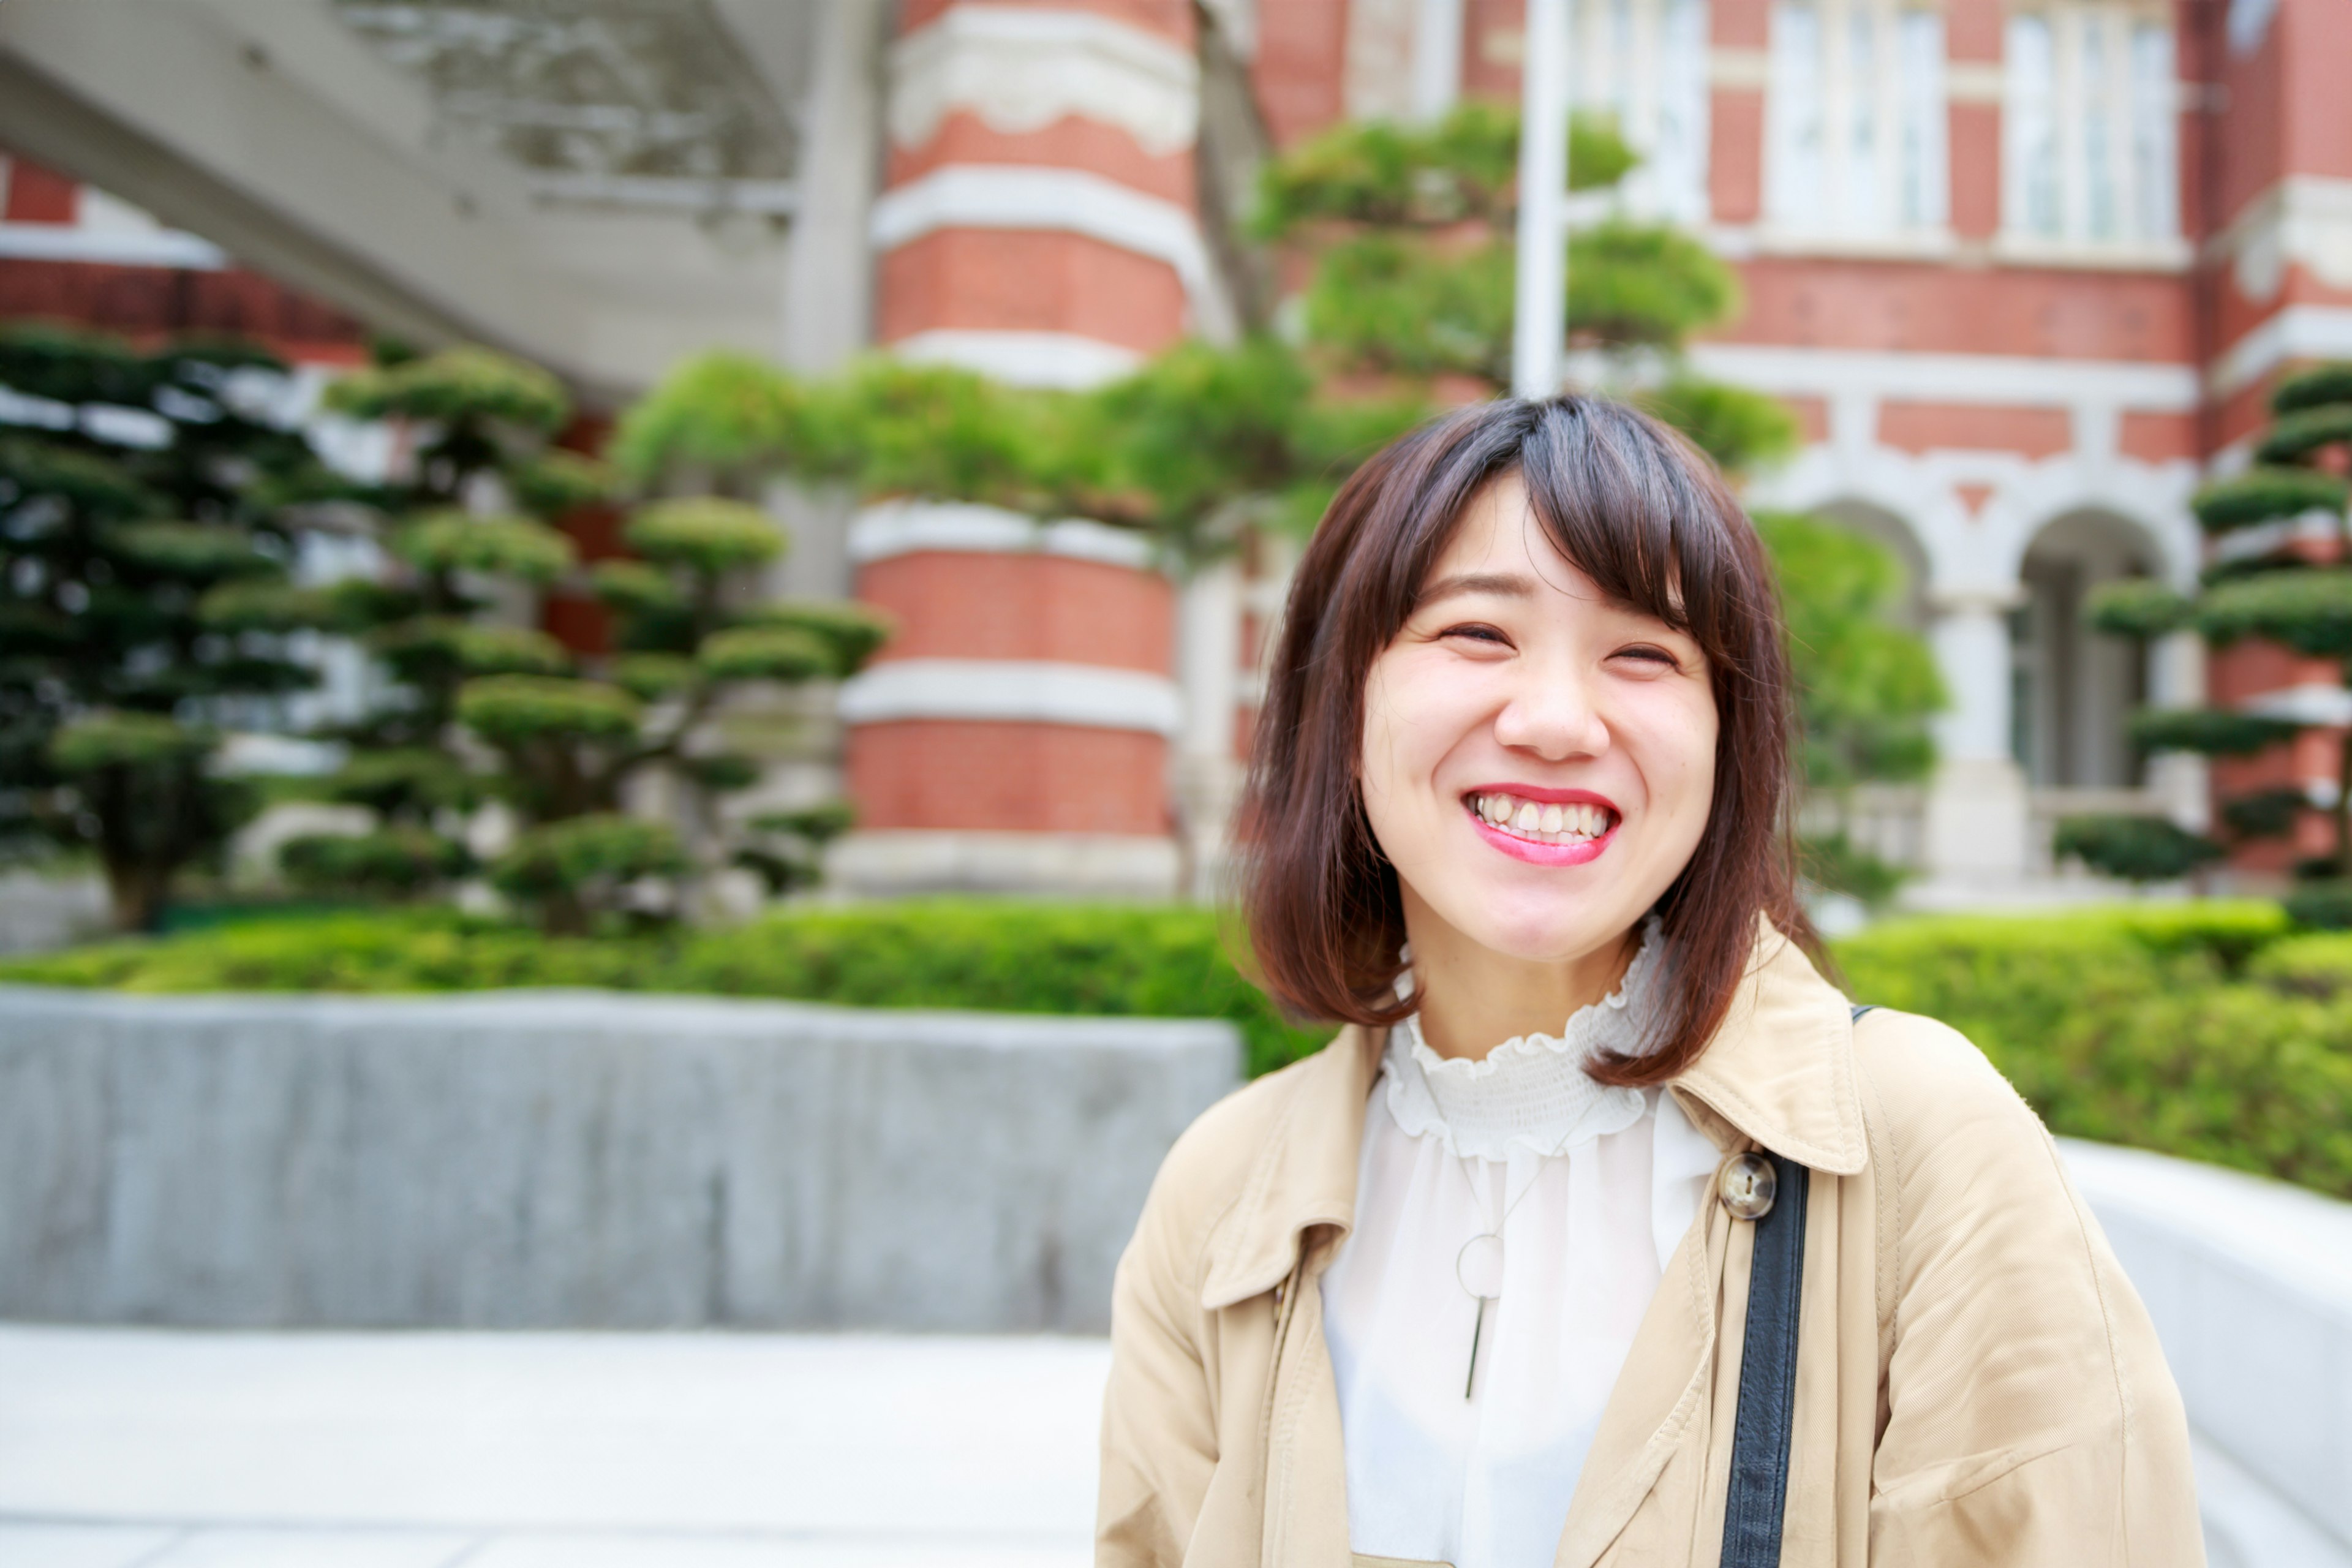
{"type": "Point", "coordinates": [1479, 1267]}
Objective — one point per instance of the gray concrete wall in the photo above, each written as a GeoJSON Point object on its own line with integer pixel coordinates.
{"type": "Point", "coordinates": [543, 1159]}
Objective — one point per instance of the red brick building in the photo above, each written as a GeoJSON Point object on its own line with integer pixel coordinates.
{"type": "Point", "coordinates": [2025, 270]}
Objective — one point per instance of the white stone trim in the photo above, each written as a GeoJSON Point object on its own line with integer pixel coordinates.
{"type": "Point", "coordinates": [2309, 702]}
{"type": "Point", "coordinates": [2304, 219]}
{"type": "Point", "coordinates": [1069, 201]}
{"type": "Point", "coordinates": [1998, 380]}
{"type": "Point", "coordinates": [906, 527]}
{"type": "Point", "coordinates": [1063, 360]}
{"type": "Point", "coordinates": [2299, 331]}
{"type": "Point", "coordinates": [117, 247]}
{"type": "Point", "coordinates": [1086, 696]}
{"type": "Point", "coordinates": [1104, 865]}
{"type": "Point", "coordinates": [1021, 69]}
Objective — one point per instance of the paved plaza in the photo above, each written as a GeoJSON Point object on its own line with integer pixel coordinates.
{"type": "Point", "coordinates": [140, 1448]}
{"type": "Point", "coordinates": [122, 1448]}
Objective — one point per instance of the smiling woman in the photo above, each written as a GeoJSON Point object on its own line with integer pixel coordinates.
{"type": "Point", "coordinates": [1606, 1230]}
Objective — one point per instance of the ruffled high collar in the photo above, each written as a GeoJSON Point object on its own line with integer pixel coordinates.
{"type": "Point", "coordinates": [1531, 1094]}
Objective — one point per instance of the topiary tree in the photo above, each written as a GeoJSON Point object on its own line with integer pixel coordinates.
{"type": "Point", "coordinates": [487, 706]}
{"type": "Point", "coordinates": [150, 519]}
{"type": "Point", "coordinates": [2272, 586]}
{"type": "Point", "coordinates": [1865, 686]}
{"type": "Point", "coordinates": [1408, 233]}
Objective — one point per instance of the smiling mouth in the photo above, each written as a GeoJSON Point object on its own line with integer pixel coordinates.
{"type": "Point", "coordinates": [1542, 822]}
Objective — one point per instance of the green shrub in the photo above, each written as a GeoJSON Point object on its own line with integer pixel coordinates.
{"type": "Point", "coordinates": [2136, 848]}
{"type": "Point", "coordinates": [2322, 906]}
{"type": "Point", "coordinates": [2207, 1029]}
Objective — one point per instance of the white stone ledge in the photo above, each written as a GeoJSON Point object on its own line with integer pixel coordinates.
{"type": "Point", "coordinates": [2250, 1284]}
{"type": "Point", "coordinates": [1064, 362]}
{"type": "Point", "coordinates": [1086, 696]}
{"type": "Point", "coordinates": [1095, 865]}
{"type": "Point", "coordinates": [908, 528]}
{"type": "Point", "coordinates": [1021, 69]}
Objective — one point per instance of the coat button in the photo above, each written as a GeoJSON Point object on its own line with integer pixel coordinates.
{"type": "Point", "coordinates": [1746, 1184]}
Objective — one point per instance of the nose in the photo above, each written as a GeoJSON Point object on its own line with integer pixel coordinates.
{"type": "Point", "coordinates": [1553, 717]}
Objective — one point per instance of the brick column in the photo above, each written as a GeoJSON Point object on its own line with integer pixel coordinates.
{"type": "Point", "coordinates": [1038, 223]}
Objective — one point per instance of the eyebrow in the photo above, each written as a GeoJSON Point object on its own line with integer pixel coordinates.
{"type": "Point", "coordinates": [1510, 584]}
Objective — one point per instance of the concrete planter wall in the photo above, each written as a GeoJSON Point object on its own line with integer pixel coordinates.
{"type": "Point", "coordinates": [545, 1159]}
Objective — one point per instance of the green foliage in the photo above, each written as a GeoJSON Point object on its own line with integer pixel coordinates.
{"type": "Point", "coordinates": [708, 533]}
{"type": "Point", "coordinates": [2136, 848]}
{"type": "Point", "coordinates": [1644, 285]}
{"type": "Point", "coordinates": [730, 415]}
{"type": "Point", "coordinates": [929, 431]}
{"type": "Point", "coordinates": [2265, 814]}
{"type": "Point", "coordinates": [1835, 863]}
{"type": "Point", "coordinates": [584, 862]}
{"type": "Point", "coordinates": [141, 584]}
{"type": "Point", "coordinates": [1865, 687]}
{"type": "Point", "coordinates": [767, 653]}
{"type": "Point", "coordinates": [851, 633]}
{"type": "Point", "coordinates": [2298, 435]}
{"type": "Point", "coordinates": [1738, 429]}
{"type": "Point", "coordinates": [404, 784]}
{"type": "Point", "coordinates": [650, 677]}
{"type": "Point", "coordinates": [633, 587]}
{"type": "Point", "coordinates": [2313, 389]}
{"type": "Point", "coordinates": [2137, 607]}
{"type": "Point", "coordinates": [1389, 302]}
{"type": "Point", "coordinates": [516, 709]}
{"type": "Point", "coordinates": [455, 385]}
{"type": "Point", "coordinates": [2265, 494]}
{"type": "Point", "coordinates": [2209, 731]}
{"type": "Point", "coordinates": [2322, 905]}
{"type": "Point", "coordinates": [786, 848]}
{"type": "Point", "coordinates": [398, 862]}
{"type": "Point", "coordinates": [100, 740]}
{"type": "Point", "coordinates": [2310, 611]}
{"type": "Point", "coordinates": [557, 481]}
{"type": "Point", "coordinates": [509, 546]}
{"type": "Point", "coordinates": [2206, 1029]}
{"type": "Point", "coordinates": [1459, 169]}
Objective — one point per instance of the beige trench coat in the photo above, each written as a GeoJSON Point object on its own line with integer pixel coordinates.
{"type": "Point", "coordinates": [1977, 1381]}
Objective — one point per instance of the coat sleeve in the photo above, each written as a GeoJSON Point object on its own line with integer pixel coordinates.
{"type": "Point", "coordinates": [1158, 1432]}
{"type": "Point", "coordinates": [2027, 1415]}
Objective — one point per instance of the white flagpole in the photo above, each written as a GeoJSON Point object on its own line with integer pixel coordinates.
{"type": "Point", "coordinates": [1538, 326]}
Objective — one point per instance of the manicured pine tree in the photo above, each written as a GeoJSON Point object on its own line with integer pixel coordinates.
{"type": "Point", "coordinates": [150, 515]}
{"type": "Point", "coordinates": [2272, 581]}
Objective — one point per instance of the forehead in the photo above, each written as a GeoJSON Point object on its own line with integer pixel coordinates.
{"type": "Point", "coordinates": [1498, 535]}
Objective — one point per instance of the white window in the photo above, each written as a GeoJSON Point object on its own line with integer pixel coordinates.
{"type": "Point", "coordinates": [1644, 62]}
{"type": "Point", "coordinates": [1855, 141]}
{"type": "Point", "coordinates": [2092, 154]}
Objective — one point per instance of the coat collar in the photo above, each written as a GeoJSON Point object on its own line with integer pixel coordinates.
{"type": "Point", "coordinates": [1780, 1074]}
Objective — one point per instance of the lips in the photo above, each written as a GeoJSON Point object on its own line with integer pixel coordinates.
{"type": "Point", "coordinates": [1542, 827]}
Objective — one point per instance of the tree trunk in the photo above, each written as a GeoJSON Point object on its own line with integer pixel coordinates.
{"type": "Point", "coordinates": [135, 893]}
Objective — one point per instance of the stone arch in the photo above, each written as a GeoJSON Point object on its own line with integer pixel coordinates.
{"type": "Point", "coordinates": [1884, 526]}
{"type": "Point", "coordinates": [2075, 687]}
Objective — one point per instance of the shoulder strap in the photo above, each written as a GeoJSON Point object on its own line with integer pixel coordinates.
{"type": "Point", "coordinates": [1759, 1490]}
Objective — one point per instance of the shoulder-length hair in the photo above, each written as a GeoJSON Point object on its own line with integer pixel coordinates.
{"type": "Point", "coordinates": [1651, 523]}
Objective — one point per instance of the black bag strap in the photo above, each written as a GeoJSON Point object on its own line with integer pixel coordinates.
{"type": "Point", "coordinates": [1759, 1489]}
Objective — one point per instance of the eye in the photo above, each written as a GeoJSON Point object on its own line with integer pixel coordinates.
{"type": "Point", "coordinates": [1649, 653]}
{"type": "Point", "coordinates": [1476, 631]}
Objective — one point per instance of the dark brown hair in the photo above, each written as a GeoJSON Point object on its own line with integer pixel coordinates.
{"type": "Point", "coordinates": [1651, 523]}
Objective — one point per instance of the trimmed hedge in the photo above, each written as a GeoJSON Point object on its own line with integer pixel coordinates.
{"type": "Point", "coordinates": [2211, 1030]}
{"type": "Point", "coordinates": [997, 956]}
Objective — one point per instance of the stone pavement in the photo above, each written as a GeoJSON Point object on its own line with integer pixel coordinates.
{"type": "Point", "coordinates": [139, 1448]}
{"type": "Point", "coordinates": [143, 1448]}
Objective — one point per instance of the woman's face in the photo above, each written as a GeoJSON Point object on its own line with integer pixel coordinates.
{"type": "Point", "coordinates": [1539, 762]}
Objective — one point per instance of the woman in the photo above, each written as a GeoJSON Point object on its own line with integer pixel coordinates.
{"type": "Point", "coordinates": [1606, 1231]}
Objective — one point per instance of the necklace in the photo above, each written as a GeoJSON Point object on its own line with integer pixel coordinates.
{"type": "Point", "coordinates": [1479, 1264]}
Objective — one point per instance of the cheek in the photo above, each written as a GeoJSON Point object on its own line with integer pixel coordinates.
{"type": "Point", "coordinates": [1679, 743]}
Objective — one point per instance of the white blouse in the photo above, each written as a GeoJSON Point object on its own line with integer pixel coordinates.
{"type": "Point", "coordinates": [1590, 1188]}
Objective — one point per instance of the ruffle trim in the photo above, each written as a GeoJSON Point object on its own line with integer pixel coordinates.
{"type": "Point", "coordinates": [1530, 1093]}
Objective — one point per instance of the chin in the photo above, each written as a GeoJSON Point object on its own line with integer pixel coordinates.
{"type": "Point", "coordinates": [1544, 925]}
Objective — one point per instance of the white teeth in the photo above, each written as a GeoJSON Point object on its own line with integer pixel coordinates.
{"type": "Point", "coordinates": [1563, 824]}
